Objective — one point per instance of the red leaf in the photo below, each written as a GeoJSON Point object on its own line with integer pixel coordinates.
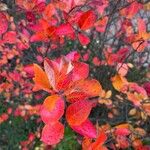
{"type": "Point", "coordinates": [51, 115]}
{"type": "Point", "coordinates": [147, 87]}
{"type": "Point", "coordinates": [64, 29]}
{"type": "Point", "coordinates": [76, 96]}
{"type": "Point", "coordinates": [78, 112]}
{"type": "Point", "coordinates": [52, 134]}
{"type": "Point", "coordinates": [101, 24]}
{"type": "Point", "coordinates": [29, 69]}
{"type": "Point", "coordinates": [84, 40]}
{"type": "Point", "coordinates": [96, 61]}
{"type": "Point", "coordinates": [10, 37]}
{"type": "Point", "coordinates": [3, 23]}
{"type": "Point", "coordinates": [122, 132]}
{"type": "Point", "coordinates": [86, 129]}
{"type": "Point", "coordinates": [73, 56]}
{"type": "Point", "coordinates": [87, 20]}
{"type": "Point", "coordinates": [80, 71]}
{"type": "Point", "coordinates": [99, 142]}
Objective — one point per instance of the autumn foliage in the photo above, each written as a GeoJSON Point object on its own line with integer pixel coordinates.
{"type": "Point", "coordinates": [77, 64]}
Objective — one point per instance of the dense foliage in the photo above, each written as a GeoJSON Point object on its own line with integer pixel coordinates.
{"type": "Point", "coordinates": [75, 74]}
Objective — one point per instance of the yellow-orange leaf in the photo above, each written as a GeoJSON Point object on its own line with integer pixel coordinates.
{"type": "Point", "coordinates": [119, 82]}
{"type": "Point", "coordinates": [41, 79]}
{"type": "Point", "coordinates": [50, 102]}
{"type": "Point", "coordinates": [135, 99]}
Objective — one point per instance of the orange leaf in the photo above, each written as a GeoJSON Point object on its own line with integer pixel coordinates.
{"type": "Point", "coordinates": [89, 86]}
{"type": "Point", "coordinates": [86, 143]}
{"type": "Point", "coordinates": [83, 88]}
{"type": "Point", "coordinates": [98, 144]}
{"type": "Point", "coordinates": [146, 107]}
{"type": "Point", "coordinates": [122, 126]}
{"type": "Point", "coordinates": [135, 99]}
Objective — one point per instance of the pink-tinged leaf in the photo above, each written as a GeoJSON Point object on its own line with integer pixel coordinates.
{"type": "Point", "coordinates": [122, 69]}
{"type": "Point", "coordinates": [86, 129]}
{"type": "Point", "coordinates": [122, 132]}
{"type": "Point", "coordinates": [73, 56]}
{"type": "Point", "coordinates": [122, 54]}
{"type": "Point", "coordinates": [53, 115]}
{"type": "Point", "coordinates": [50, 73]}
{"type": "Point", "coordinates": [139, 46]}
{"type": "Point", "coordinates": [52, 133]}
{"type": "Point", "coordinates": [15, 76]}
{"type": "Point", "coordinates": [101, 8]}
{"type": "Point", "coordinates": [141, 25]}
{"type": "Point", "coordinates": [84, 40]}
{"type": "Point", "coordinates": [29, 69]}
{"type": "Point", "coordinates": [3, 23]}
{"type": "Point", "coordinates": [80, 71]}
{"type": "Point", "coordinates": [87, 20]}
{"type": "Point", "coordinates": [36, 7]}
{"type": "Point", "coordinates": [39, 58]}
{"type": "Point", "coordinates": [10, 37]}
{"type": "Point", "coordinates": [78, 112]}
{"type": "Point", "coordinates": [137, 88]}
{"type": "Point", "coordinates": [96, 61]}
{"type": "Point", "coordinates": [64, 29]}
{"type": "Point", "coordinates": [79, 2]}
{"type": "Point", "coordinates": [22, 46]}
{"type": "Point", "coordinates": [131, 10]}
